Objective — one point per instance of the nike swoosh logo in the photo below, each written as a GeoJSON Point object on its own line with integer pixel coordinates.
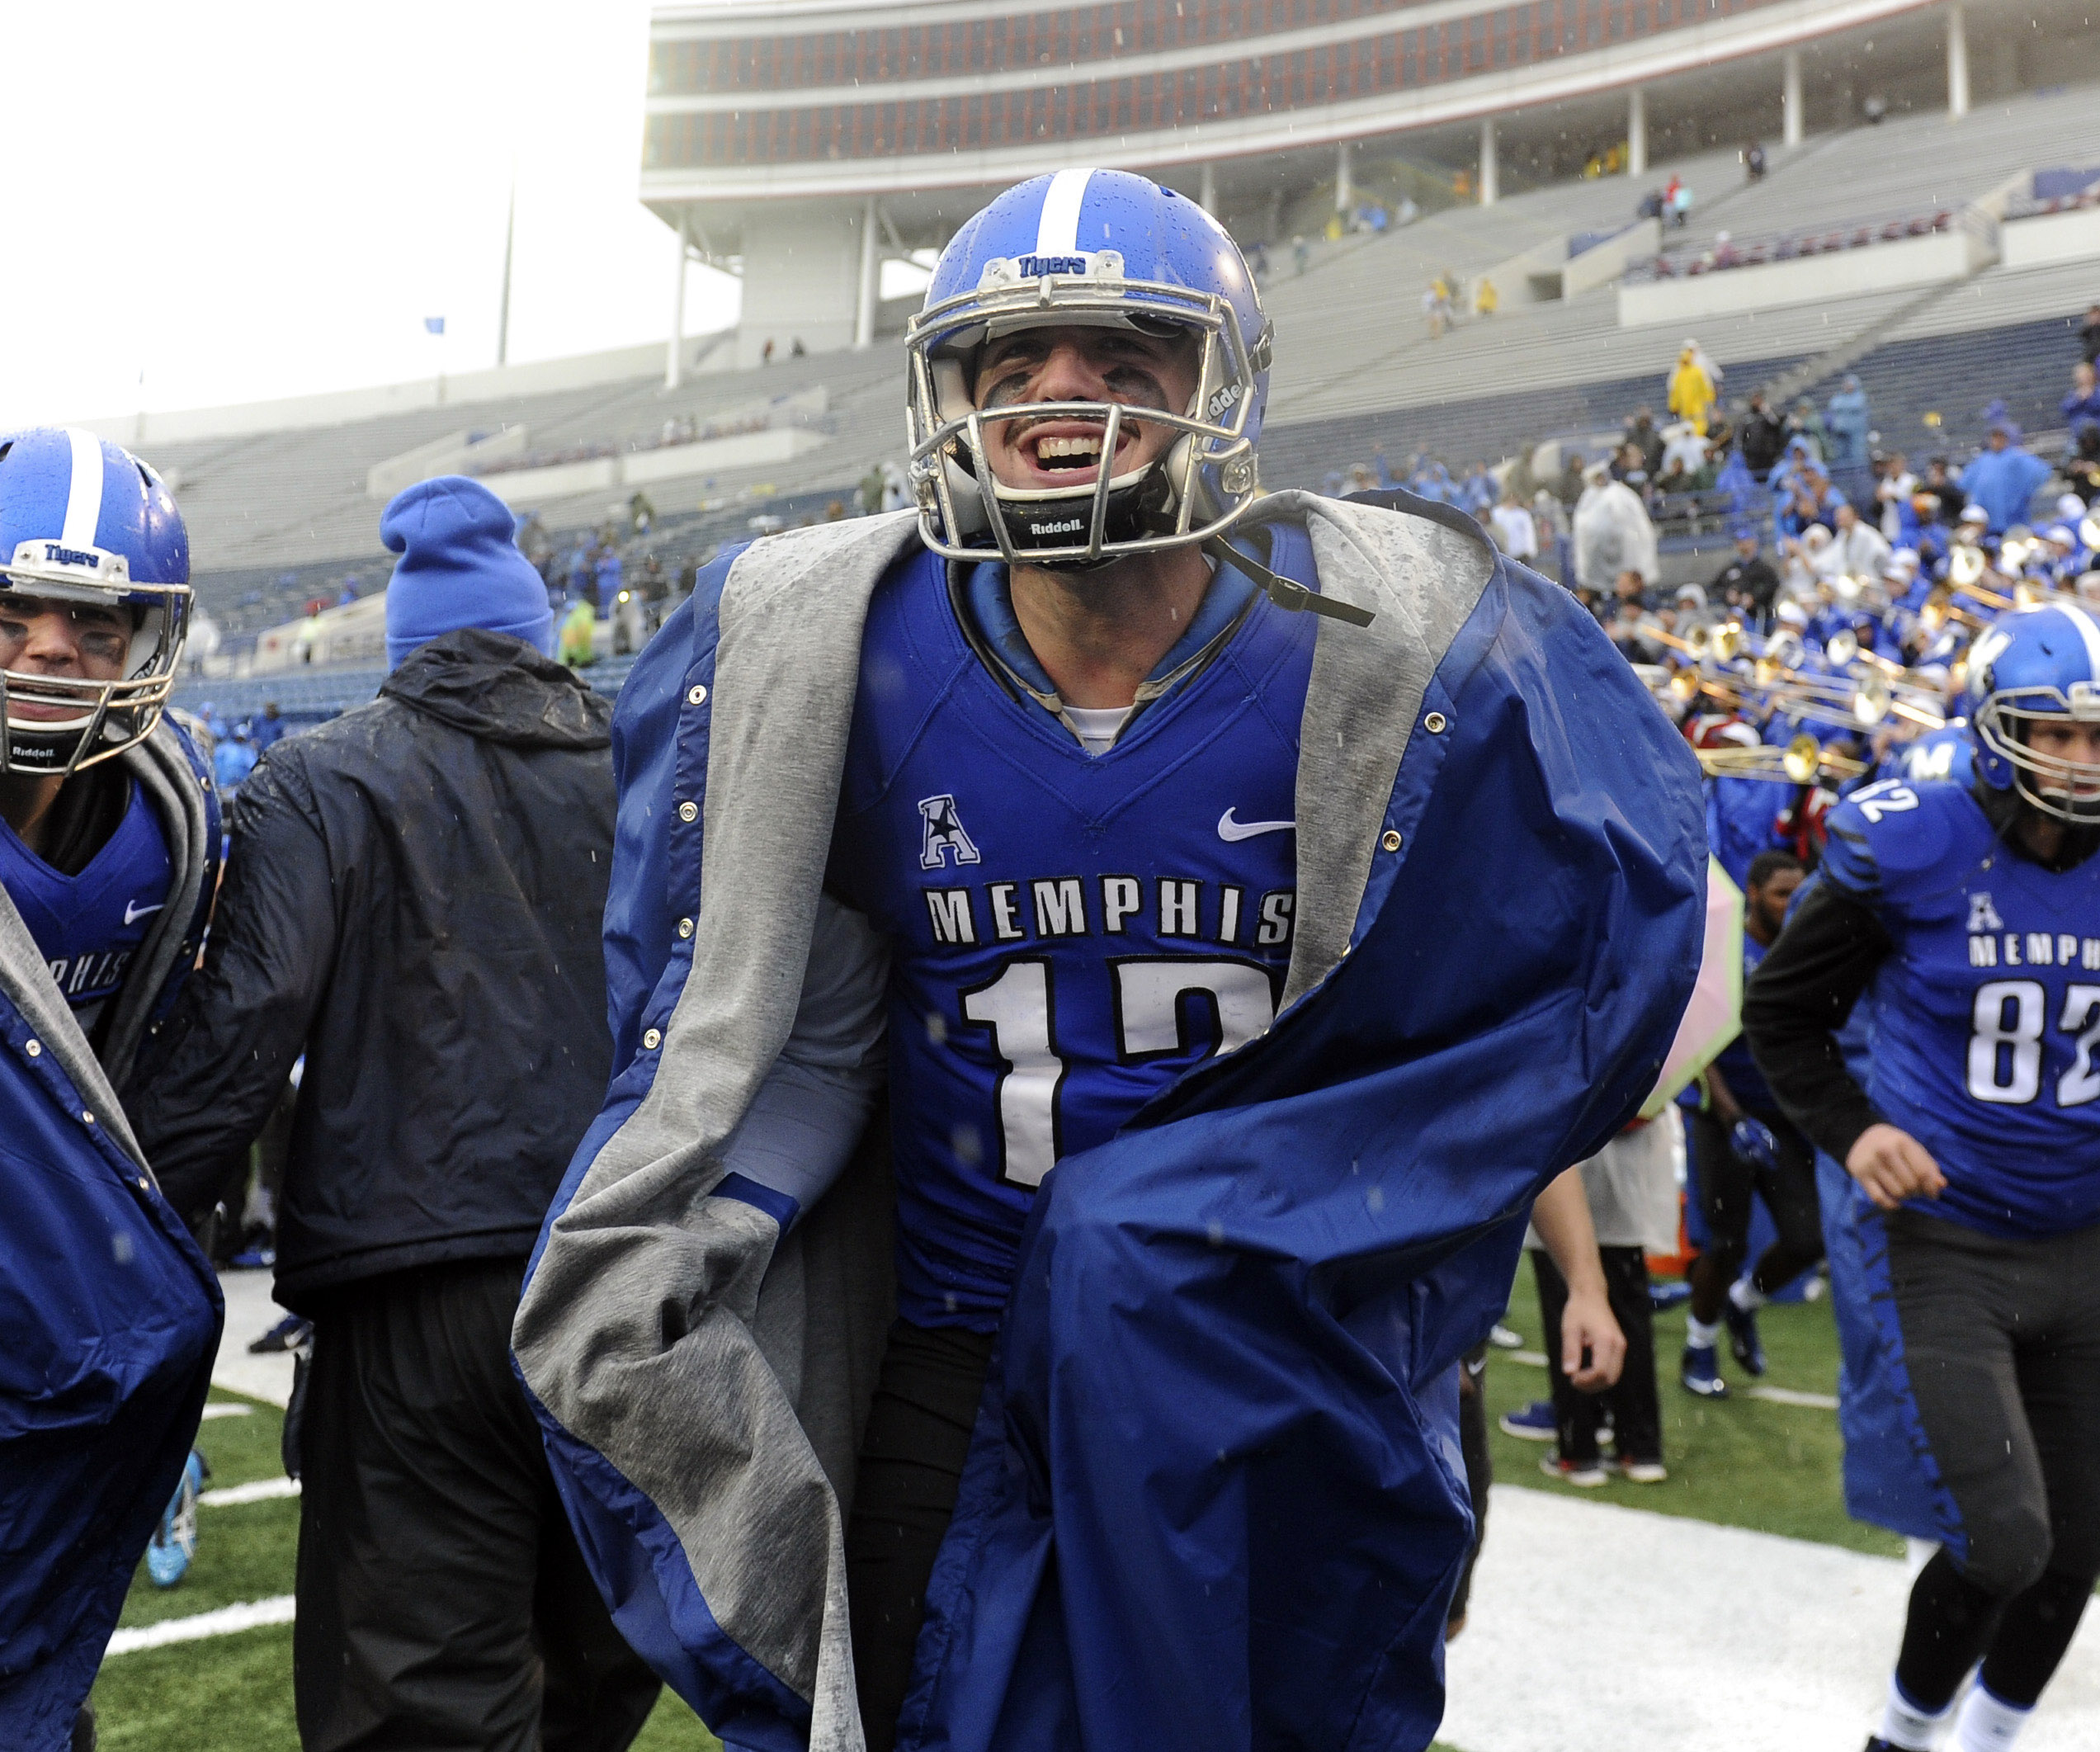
{"type": "Point", "coordinates": [1229, 829]}
{"type": "Point", "coordinates": [133, 912]}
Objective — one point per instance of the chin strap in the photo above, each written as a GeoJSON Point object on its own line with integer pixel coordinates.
{"type": "Point", "coordinates": [1283, 593]}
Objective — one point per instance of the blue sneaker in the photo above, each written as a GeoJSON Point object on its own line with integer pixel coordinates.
{"type": "Point", "coordinates": [174, 1542]}
{"type": "Point", "coordinates": [1663, 1297]}
{"type": "Point", "coordinates": [1701, 1372]}
{"type": "Point", "coordinates": [1533, 1423]}
{"type": "Point", "coordinates": [1743, 1344]}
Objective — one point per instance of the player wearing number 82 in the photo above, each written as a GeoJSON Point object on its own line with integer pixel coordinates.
{"type": "Point", "coordinates": [1242, 974]}
{"type": "Point", "coordinates": [1969, 916]}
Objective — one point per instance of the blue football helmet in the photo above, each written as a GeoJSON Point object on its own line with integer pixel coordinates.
{"type": "Point", "coordinates": [2033, 665]}
{"type": "Point", "coordinates": [1096, 249]}
{"type": "Point", "coordinates": [84, 522]}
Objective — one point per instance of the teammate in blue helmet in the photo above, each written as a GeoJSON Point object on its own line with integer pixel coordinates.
{"type": "Point", "coordinates": [109, 847]}
{"type": "Point", "coordinates": [1969, 916]}
{"type": "Point", "coordinates": [1221, 964]}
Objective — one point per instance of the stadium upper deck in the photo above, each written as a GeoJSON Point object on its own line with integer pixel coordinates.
{"type": "Point", "coordinates": [805, 141]}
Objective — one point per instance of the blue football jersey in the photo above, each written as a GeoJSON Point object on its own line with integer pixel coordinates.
{"type": "Point", "coordinates": [1947, 755]}
{"type": "Point", "coordinates": [89, 926]}
{"type": "Point", "coordinates": [1986, 1017]}
{"type": "Point", "coordinates": [1068, 933]}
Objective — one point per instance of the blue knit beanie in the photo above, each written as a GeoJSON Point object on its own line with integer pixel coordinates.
{"type": "Point", "coordinates": [459, 567]}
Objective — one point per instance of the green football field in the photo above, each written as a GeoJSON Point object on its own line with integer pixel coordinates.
{"type": "Point", "coordinates": [1749, 1462]}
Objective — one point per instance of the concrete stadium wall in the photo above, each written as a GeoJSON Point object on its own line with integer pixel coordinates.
{"type": "Point", "coordinates": [2050, 237]}
{"type": "Point", "coordinates": [1813, 280]}
{"type": "Point", "coordinates": [1604, 264]}
{"type": "Point", "coordinates": [801, 280]}
{"type": "Point", "coordinates": [740, 449]}
{"type": "Point", "coordinates": [339, 406]}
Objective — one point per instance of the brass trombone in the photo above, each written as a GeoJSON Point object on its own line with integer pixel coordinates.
{"type": "Point", "coordinates": [1801, 761]}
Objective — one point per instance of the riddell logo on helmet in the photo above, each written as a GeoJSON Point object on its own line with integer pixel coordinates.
{"type": "Point", "coordinates": [1070, 526]}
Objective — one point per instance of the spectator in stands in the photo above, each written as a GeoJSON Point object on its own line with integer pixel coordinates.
{"type": "Point", "coordinates": [266, 729]}
{"type": "Point", "coordinates": [1613, 534]}
{"type": "Point", "coordinates": [1845, 419]}
{"type": "Point", "coordinates": [2088, 335]}
{"type": "Point", "coordinates": [1690, 389]}
{"type": "Point", "coordinates": [1763, 438]}
{"type": "Point", "coordinates": [414, 902]}
{"type": "Point", "coordinates": [1857, 548]}
{"type": "Point", "coordinates": [1486, 299]}
{"type": "Point", "coordinates": [1641, 432]}
{"type": "Point", "coordinates": [869, 491]}
{"type": "Point", "coordinates": [765, 352]}
{"type": "Point", "coordinates": [1476, 494]}
{"type": "Point", "coordinates": [1684, 448]}
{"type": "Point", "coordinates": [1895, 487]}
{"type": "Point", "coordinates": [641, 514]}
{"type": "Point", "coordinates": [1568, 490]}
{"type": "Point", "coordinates": [1746, 582]}
{"type": "Point", "coordinates": [2082, 406]}
{"type": "Point", "coordinates": [1805, 423]}
{"type": "Point", "coordinates": [1299, 254]}
{"type": "Point", "coordinates": [1940, 481]}
{"type": "Point", "coordinates": [1754, 161]}
{"type": "Point", "coordinates": [582, 572]}
{"type": "Point", "coordinates": [579, 634]}
{"type": "Point", "coordinates": [608, 579]}
{"type": "Point", "coordinates": [1515, 532]}
{"type": "Point", "coordinates": [232, 758]}
{"type": "Point", "coordinates": [2003, 477]}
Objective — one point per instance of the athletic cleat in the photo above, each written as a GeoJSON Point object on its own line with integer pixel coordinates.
{"type": "Point", "coordinates": [174, 1542]}
{"type": "Point", "coordinates": [1701, 1372]}
{"type": "Point", "coordinates": [1503, 1338]}
{"type": "Point", "coordinates": [1534, 1423]}
{"type": "Point", "coordinates": [1664, 1296]}
{"type": "Point", "coordinates": [1644, 1471]}
{"type": "Point", "coordinates": [1582, 1475]}
{"type": "Point", "coordinates": [1743, 1344]}
{"type": "Point", "coordinates": [289, 1333]}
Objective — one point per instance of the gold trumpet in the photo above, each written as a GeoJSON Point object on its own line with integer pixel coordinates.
{"type": "Point", "coordinates": [1801, 761]}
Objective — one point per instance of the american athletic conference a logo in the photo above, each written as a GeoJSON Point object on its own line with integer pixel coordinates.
{"type": "Point", "coordinates": [944, 834]}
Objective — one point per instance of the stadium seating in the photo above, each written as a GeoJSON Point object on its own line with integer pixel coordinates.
{"type": "Point", "coordinates": [279, 519]}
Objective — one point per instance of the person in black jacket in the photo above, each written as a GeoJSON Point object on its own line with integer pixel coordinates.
{"type": "Point", "coordinates": [414, 900]}
{"type": "Point", "coordinates": [1764, 436]}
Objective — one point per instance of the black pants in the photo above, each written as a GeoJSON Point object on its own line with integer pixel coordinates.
{"type": "Point", "coordinates": [904, 1496]}
{"type": "Point", "coordinates": [1725, 1183]}
{"type": "Point", "coordinates": [1636, 1414]}
{"type": "Point", "coordinates": [442, 1600]}
{"type": "Point", "coordinates": [2001, 1342]}
{"type": "Point", "coordinates": [1479, 1468]}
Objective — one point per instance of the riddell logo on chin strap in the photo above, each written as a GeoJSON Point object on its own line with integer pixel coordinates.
{"type": "Point", "coordinates": [1070, 526]}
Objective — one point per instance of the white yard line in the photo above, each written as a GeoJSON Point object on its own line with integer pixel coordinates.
{"type": "Point", "coordinates": [249, 1615]}
{"type": "Point", "coordinates": [1594, 1625]}
{"type": "Point", "coordinates": [262, 1490]}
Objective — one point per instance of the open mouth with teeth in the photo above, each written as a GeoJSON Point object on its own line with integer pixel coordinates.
{"type": "Point", "coordinates": [1067, 453]}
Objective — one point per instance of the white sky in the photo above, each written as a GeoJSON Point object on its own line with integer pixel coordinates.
{"type": "Point", "coordinates": [243, 200]}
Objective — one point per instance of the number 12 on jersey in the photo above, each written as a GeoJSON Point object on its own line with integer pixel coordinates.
{"type": "Point", "coordinates": [1020, 1008]}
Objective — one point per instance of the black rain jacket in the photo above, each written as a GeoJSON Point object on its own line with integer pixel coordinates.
{"type": "Point", "coordinates": [414, 899]}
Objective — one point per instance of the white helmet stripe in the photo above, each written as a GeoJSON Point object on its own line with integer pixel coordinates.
{"type": "Point", "coordinates": [2087, 631]}
{"type": "Point", "coordinates": [84, 492]}
{"type": "Point", "coordinates": [1057, 232]}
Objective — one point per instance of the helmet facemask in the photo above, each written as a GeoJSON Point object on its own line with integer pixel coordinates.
{"type": "Point", "coordinates": [1196, 491]}
{"type": "Point", "coordinates": [106, 715]}
{"type": "Point", "coordinates": [2064, 789]}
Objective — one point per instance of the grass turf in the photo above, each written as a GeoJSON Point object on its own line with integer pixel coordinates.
{"type": "Point", "coordinates": [1740, 1462]}
{"type": "Point", "coordinates": [1744, 1462]}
